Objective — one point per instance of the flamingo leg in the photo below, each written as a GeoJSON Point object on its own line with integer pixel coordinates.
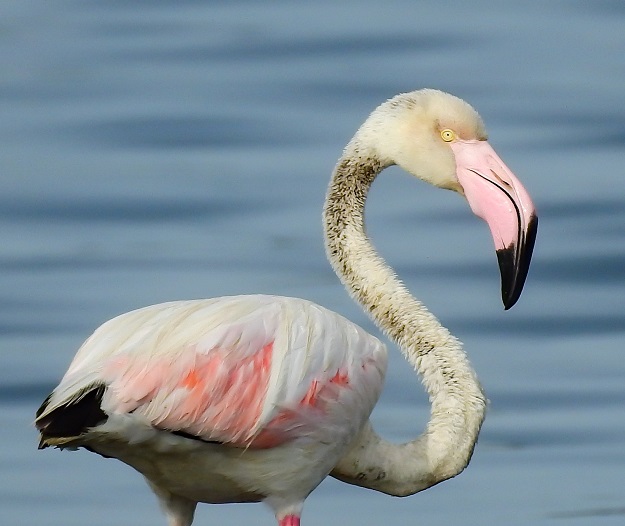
{"type": "Point", "coordinates": [289, 520]}
{"type": "Point", "coordinates": [178, 510]}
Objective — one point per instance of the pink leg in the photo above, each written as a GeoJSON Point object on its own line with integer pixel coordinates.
{"type": "Point", "coordinates": [289, 520]}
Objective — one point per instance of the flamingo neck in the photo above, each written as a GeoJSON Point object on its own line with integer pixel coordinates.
{"type": "Point", "coordinates": [458, 404]}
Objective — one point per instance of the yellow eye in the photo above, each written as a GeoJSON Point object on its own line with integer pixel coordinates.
{"type": "Point", "coordinates": [447, 135]}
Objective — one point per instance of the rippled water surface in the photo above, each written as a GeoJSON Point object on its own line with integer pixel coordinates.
{"type": "Point", "coordinates": [164, 150]}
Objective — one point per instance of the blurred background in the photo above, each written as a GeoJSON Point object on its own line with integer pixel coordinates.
{"type": "Point", "coordinates": [155, 150]}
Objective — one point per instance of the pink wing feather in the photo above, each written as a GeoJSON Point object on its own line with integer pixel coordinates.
{"type": "Point", "coordinates": [250, 371]}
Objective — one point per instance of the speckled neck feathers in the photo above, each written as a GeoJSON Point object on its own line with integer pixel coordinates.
{"type": "Point", "coordinates": [458, 403]}
{"type": "Point", "coordinates": [364, 273]}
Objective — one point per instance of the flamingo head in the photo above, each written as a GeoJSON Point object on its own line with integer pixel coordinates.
{"type": "Point", "coordinates": [441, 139]}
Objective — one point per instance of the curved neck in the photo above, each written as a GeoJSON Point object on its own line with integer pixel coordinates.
{"type": "Point", "coordinates": [458, 403]}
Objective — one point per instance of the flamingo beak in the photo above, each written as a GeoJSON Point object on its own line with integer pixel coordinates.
{"type": "Point", "coordinates": [497, 196]}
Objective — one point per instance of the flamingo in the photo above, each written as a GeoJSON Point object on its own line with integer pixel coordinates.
{"type": "Point", "coordinates": [259, 398]}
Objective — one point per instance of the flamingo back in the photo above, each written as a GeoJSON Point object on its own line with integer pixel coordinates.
{"type": "Point", "coordinates": [247, 371]}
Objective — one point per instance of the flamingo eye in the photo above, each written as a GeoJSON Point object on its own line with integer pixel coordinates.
{"type": "Point", "coordinates": [448, 135]}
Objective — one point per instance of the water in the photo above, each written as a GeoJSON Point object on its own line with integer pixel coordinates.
{"type": "Point", "coordinates": [154, 151]}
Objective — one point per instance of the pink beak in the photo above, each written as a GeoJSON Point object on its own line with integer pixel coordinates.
{"type": "Point", "coordinates": [498, 197]}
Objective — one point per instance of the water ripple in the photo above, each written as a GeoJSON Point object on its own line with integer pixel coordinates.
{"type": "Point", "coordinates": [253, 47]}
{"type": "Point", "coordinates": [211, 131]}
{"type": "Point", "coordinates": [544, 325]}
{"type": "Point", "coordinates": [126, 210]}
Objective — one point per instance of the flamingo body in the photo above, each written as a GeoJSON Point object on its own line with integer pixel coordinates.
{"type": "Point", "coordinates": [230, 399]}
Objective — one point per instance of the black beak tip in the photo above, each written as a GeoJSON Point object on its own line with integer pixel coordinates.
{"type": "Point", "coordinates": [514, 264]}
{"type": "Point", "coordinates": [509, 301]}
{"type": "Point", "coordinates": [510, 292]}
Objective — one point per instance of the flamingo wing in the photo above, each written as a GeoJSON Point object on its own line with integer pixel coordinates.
{"type": "Point", "coordinates": [248, 371]}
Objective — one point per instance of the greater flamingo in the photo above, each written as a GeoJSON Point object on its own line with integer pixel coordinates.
{"type": "Point", "coordinates": [259, 398]}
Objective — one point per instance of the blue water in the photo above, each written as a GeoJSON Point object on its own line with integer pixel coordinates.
{"type": "Point", "coordinates": [156, 150]}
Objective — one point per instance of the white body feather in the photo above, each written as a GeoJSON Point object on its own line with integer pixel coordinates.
{"type": "Point", "coordinates": [144, 356]}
